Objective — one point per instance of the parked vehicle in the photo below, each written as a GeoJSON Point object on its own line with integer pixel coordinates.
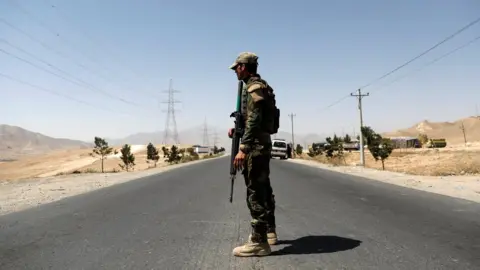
{"type": "Point", "coordinates": [351, 146]}
{"type": "Point", "coordinates": [279, 148]}
{"type": "Point", "coordinates": [436, 143]}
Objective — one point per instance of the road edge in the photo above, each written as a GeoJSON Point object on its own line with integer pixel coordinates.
{"type": "Point", "coordinates": [459, 187]}
{"type": "Point", "coordinates": [17, 196]}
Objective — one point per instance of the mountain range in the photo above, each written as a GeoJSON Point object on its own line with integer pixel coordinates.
{"type": "Point", "coordinates": [453, 132]}
{"type": "Point", "coordinates": [16, 142]}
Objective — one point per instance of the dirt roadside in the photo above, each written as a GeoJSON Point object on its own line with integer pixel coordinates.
{"type": "Point", "coordinates": [27, 193]}
{"type": "Point", "coordinates": [464, 187]}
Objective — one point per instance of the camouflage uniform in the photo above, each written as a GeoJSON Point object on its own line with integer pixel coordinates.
{"type": "Point", "coordinates": [256, 144]}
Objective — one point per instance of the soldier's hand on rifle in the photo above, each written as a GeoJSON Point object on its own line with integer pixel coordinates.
{"type": "Point", "coordinates": [230, 133]}
{"type": "Point", "coordinates": [239, 160]}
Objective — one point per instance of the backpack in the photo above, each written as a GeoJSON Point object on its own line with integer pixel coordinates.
{"type": "Point", "coordinates": [271, 120]}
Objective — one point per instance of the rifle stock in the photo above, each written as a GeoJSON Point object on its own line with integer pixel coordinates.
{"type": "Point", "coordinates": [237, 134]}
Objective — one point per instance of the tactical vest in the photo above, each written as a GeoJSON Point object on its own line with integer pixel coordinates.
{"type": "Point", "coordinates": [271, 114]}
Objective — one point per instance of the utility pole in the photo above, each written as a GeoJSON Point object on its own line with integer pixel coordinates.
{"type": "Point", "coordinates": [171, 116]}
{"type": "Point", "coordinates": [462, 127]}
{"type": "Point", "coordinates": [476, 110]}
{"type": "Point", "coordinates": [293, 137]}
{"type": "Point", "coordinates": [359, 96]}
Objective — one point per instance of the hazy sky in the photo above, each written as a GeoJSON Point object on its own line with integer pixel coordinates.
{"type": "Point", "coordinates": [312, 52]}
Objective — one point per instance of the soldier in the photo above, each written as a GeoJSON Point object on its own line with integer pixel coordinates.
{"type": "Point", "coordinates": [254, 156]}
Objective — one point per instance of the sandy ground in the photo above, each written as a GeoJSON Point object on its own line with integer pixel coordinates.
{"type": "Point", "coordinates": [66, 161]}
{"type": "Point", "coordinates": [23, 194]}
{"type": "Point", "coordinates": [464, 187]}
{"type": "Point", "coordinates": [453, 171]}
{"type": "Point", "coordinates": [453, 160]}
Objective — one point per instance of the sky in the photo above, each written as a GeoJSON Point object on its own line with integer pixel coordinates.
{"type": "Point", "coordinates": [110, 62]}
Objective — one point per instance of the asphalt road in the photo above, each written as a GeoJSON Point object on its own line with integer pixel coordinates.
{"type": "Point", "coordinates": [182, 219]}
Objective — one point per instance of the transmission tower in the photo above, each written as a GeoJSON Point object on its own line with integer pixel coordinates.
{"type": "Point", "coordinates": [216, 139]}
{"type": "Point", "coordinates": [206, 141]}
{"type": "Point", "coordinates": [171, 134]}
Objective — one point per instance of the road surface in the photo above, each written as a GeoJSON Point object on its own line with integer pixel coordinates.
{"type": "Point", "coordinates": [181, 219]}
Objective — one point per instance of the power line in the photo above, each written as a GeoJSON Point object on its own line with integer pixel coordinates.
{"type": "Point", "coordinates": [69, 80]}
{"type": "Point", "coordinates": [46, 46]}
{"type": "Point", "coordinates": [58, 94]}
{"type": "Point", "coordinates": [33, 56]}
{"type": "Point", "coordinates": [430, 63]}
{"type": "Point", "coordinates": [50, 65]}
{"type": "Point", "coordinates": [335, 103]}
{"type": "Point", "coordinates": [408, 74]}
{"type": "Point", "coordinates": [427, 51]}
{"type": "Point", "coordinates": [55, 33]}
{"type": "Point", "coordinates": [92, 40]}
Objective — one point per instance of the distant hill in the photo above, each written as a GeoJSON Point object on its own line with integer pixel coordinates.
{"type": "Point", "coordinates": [192, 136]}
{"type": "Point", "coordinates": [16, 142]}
{"type": "Point", "coordinates": [451, 131]}
{"type": "Point", "coordinates": [195, 136]}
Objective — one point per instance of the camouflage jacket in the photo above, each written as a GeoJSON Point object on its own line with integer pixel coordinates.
{"type": "Point", "coordinates": [254, 138]}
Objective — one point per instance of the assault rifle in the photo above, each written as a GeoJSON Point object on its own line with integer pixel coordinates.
{"type": "Point", "coordinates": [236, 135]}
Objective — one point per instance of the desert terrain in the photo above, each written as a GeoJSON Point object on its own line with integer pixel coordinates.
{"type": "Point", "coordinates": [51, 170]}
{"type": "Point", "coordinates": [453, 170]}
{"type": "Point", "coordinates": [59, 162]}
{"type": "Point", "coordinates": [37, 155]}
{"type": "Point", "coordinates": [457, 158]}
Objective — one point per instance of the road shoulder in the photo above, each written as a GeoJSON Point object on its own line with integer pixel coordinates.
{"type": "Point", "coordinates": [24, 194]}
{"type": "Point", "coordinates": [463, 187]}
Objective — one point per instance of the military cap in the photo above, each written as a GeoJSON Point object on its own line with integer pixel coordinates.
{"type": "Point", "coordinates": [245, 58]}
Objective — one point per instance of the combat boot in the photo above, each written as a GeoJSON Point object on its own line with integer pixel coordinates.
{"type": "Point", "coordinates": [255, 246]}
{"type": "Point", "coordinates": [272, 236]}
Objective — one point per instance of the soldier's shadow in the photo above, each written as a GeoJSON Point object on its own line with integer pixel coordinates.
{"type": "Point", "coordinates": [316, 244]}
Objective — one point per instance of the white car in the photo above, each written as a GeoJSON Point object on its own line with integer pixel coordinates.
{"type": "Point", "coordinates": [279, 148]}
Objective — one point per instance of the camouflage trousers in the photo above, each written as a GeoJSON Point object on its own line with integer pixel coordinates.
{"type": "Point", "coordinates": [260, 197]}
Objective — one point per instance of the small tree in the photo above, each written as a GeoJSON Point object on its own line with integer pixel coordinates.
{"type": "Point", "coordinates": [173, 156]}
{"type": "Point", "coordinates": [381, 150]}
{"type": "Point", "coordinates": [165, 151]}
{"type": "Point", "coordinates": [127, 158]}
{"type": "Point", "coordinates": [181, 153]}
{"type": "Point", "coordinates": [191, 152]}
{"type": "Point", "coordinates": [299, 149]}
{"type": "Point", "coordinates": [314, 150]}
{"type": "Point", "coordinates": [102, 149]}
{"type": "Point", "coordinates": [347, 139]}
{"type": "Point", "coordinates": [336, 139]}
{"type": "Point", "coordinates": [379, 147]}
{"type": "Point", "coordinates": [368, 135]}
{"type": "Point", "coordinates": [152, 153]}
